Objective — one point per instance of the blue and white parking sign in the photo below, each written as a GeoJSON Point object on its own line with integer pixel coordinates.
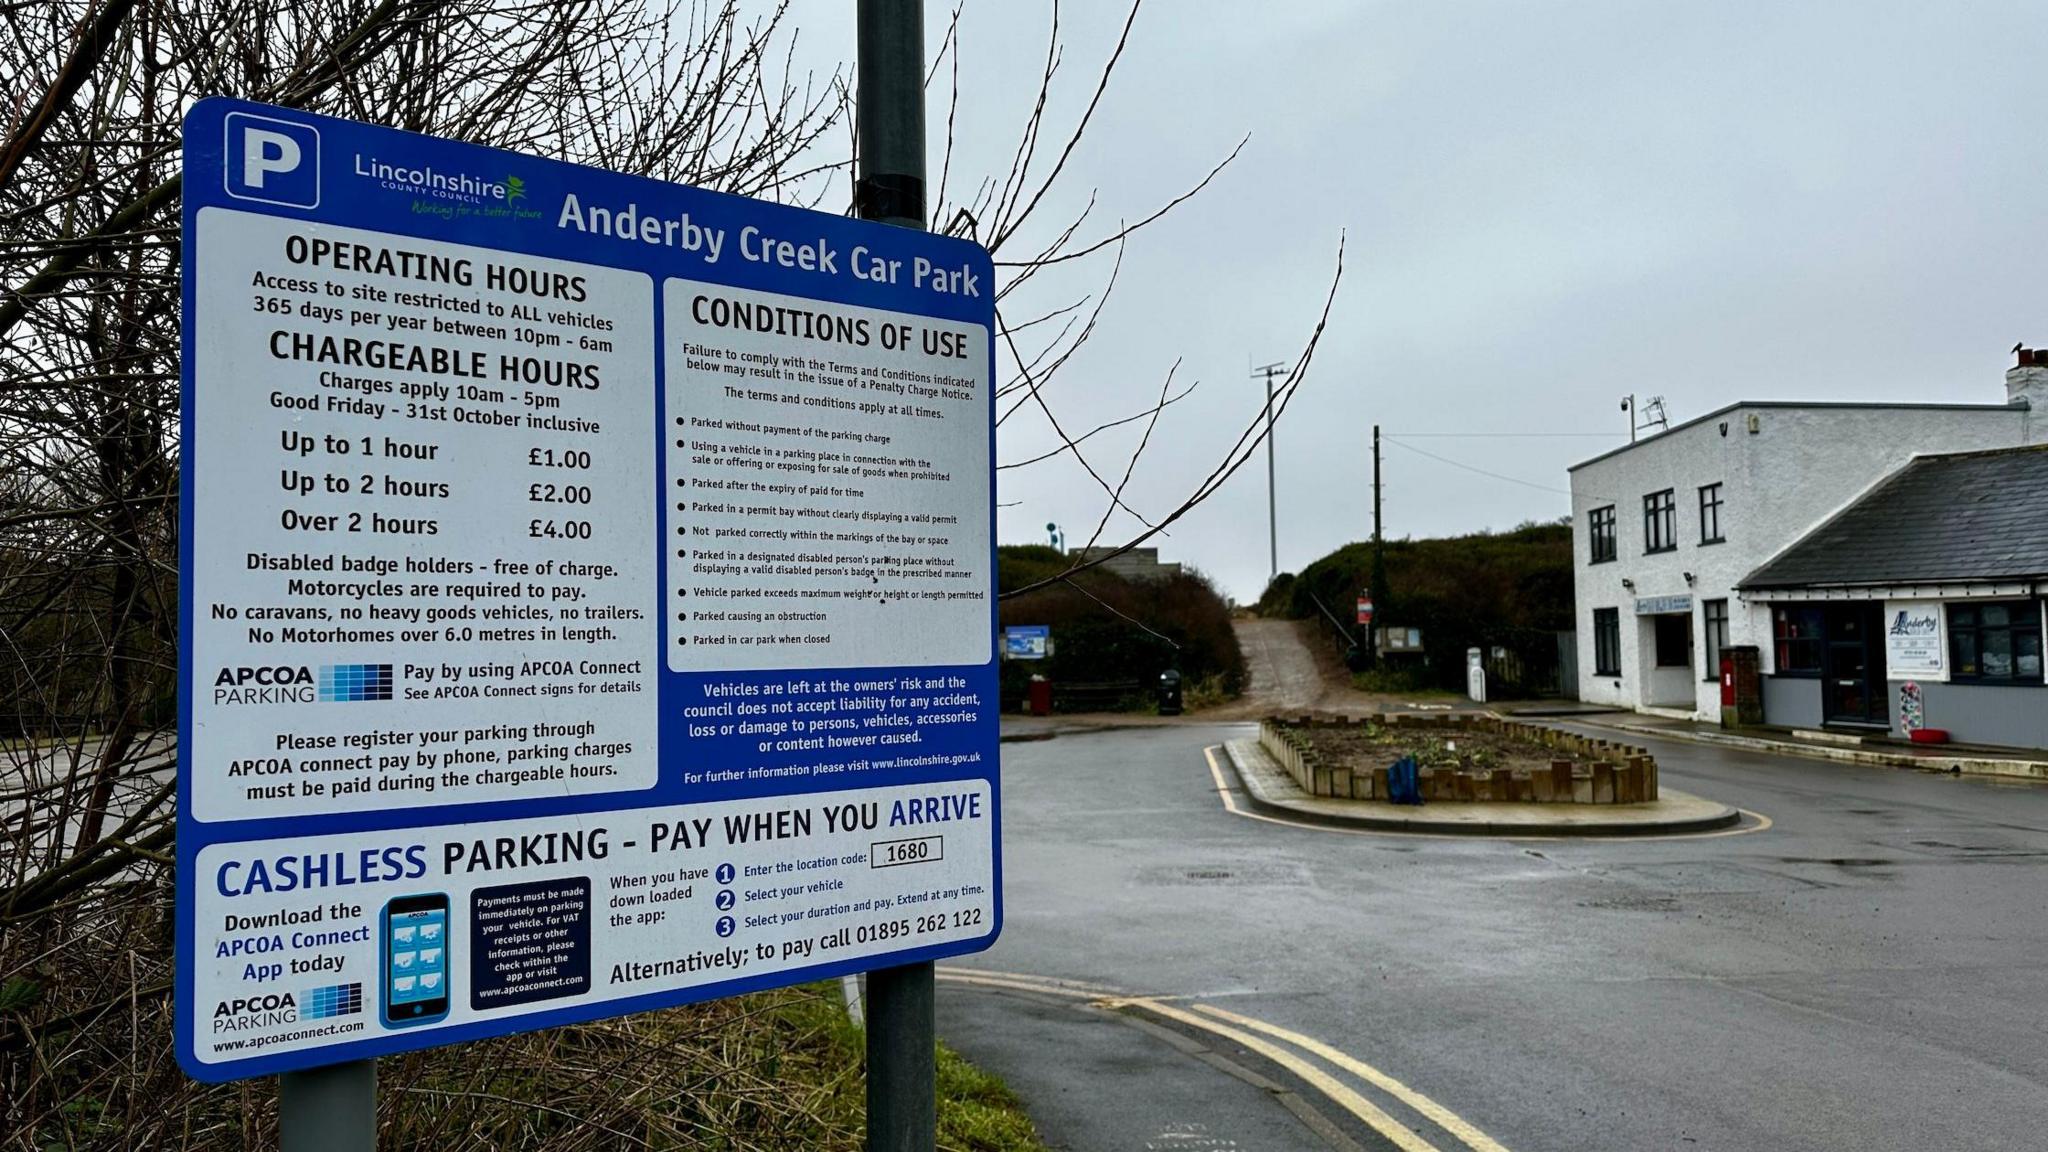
{"type": "Point", "coordinates": [271, 161]}
{"type": "Point", "coordinates": [1027, 641]}
{"type": "Point", "coordinates": [587, 592]}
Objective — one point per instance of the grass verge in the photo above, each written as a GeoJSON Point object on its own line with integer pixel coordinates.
{"type": "Point", "coordinates": [977, 1111]}
{"type": "Point", "coordinates": [781, 1069]}
{"type": "Point", "coordinates": [776, 1070]}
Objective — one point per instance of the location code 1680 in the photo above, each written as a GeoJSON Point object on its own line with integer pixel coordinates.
{"type": "Point", "coordinates": [890, 853]}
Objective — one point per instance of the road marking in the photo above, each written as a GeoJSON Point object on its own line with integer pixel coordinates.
{"type": "Point", "coordinates": [1224, 792]}
{"type": "Point", "coordinates": [958, 977]}
{"type": "Point", "coordinates": [1338, 1092]}
{"type": "Point", "coordinates": [1099, 997]}
{"type": "Point", "coordinates": [1446, 1119]}
{"type": "Point", "coordinates": [1069, 987]}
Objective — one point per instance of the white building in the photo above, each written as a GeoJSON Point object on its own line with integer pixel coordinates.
{"type": "Point", "coordinates": [1129, 563]}
{"type": "Point", "coordinates": [1664, 530]}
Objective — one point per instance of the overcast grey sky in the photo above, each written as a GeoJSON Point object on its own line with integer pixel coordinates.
{"type": "Point", "coordinates": [1547, 205]}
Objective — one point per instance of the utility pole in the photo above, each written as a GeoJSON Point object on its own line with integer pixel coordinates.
{"type": "Point", "coordinates": [1379, 563]}
{"type": "Point", "coordinates": [1272, 499]}
{"type": "Point", "coordinates": [903, 1113]}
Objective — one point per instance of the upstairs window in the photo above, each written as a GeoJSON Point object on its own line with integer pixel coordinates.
{"type": "Point", "coordinates": [1995, 643]}
{"type": "Point", "coordinates": [1660, 521]}
{"type": "Point", "coordinates": [1600, 522]}
{"type": "Point", "coordinates": [1710, 514]}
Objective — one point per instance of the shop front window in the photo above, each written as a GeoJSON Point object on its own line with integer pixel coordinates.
{"type": "Point", "coordinates": [1796, 640]}
{"type": "Point", "coordinates": [1995, 643]}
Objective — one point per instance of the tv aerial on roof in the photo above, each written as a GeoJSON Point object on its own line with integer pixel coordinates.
{"type": "Point", "coordinates": [1644, 415]}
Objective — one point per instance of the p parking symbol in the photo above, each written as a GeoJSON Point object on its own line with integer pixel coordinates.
{"type": "Point", "coordinates": [272, 161]}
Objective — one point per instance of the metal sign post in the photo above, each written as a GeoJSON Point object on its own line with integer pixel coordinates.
{"type": "Point", "coordinates": [587, 595]}
{"type": "Point", "coordinates": [330, 1109]}
{"type": "Point", "coordinates": [901, 1032]}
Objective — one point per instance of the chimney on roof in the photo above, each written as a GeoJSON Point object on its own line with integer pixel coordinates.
{"type": "Point", "coordinates": [2026, 382]}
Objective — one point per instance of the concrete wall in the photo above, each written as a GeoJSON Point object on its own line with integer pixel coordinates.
{"type": "Point", "coordinates": [1792, 701]}
{"type": "Point", "coordinates": [2015, 716]}
{"type": "Point", "coordinates": [1799, 466]}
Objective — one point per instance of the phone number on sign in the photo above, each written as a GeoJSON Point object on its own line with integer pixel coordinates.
{"type": "Point", "coordinates": [919, 925]}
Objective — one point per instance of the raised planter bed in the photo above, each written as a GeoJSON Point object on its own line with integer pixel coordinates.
{"type": "Point", "coordinates": [1459, 758]}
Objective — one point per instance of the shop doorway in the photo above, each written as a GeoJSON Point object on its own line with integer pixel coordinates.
{"type": "Point", "coordinates": [1853, 684]}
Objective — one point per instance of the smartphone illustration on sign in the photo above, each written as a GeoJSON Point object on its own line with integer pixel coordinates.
{"type": "Point", "coordinates": [415, 960]}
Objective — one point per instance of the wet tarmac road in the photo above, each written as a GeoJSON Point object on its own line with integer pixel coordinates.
{"type": "Point", "coordinates": [1865, 973]}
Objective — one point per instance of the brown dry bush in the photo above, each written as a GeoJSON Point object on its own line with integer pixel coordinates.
{"type": "Point", "coordinates": [92, 95]}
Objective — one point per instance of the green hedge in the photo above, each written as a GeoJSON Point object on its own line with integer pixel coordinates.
{"type": "Point", "coordinates": [1511, 589]}
{"type": "Point", "coordinates": [1093, 644]}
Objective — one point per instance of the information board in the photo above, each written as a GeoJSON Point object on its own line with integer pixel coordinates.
{"type": "Point", "coordinates": [586, 591]}
{"type": "Point", "coordinates": [1027, 641]}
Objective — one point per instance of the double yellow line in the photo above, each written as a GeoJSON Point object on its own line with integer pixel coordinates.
{"type": "Point", "coordinates": [1239, 1030]}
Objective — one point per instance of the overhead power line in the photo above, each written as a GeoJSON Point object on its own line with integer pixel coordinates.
{"type": "Point", "coordinates": [1480, 471]}
{"type": "Point", "coordinates": [1479, 435]}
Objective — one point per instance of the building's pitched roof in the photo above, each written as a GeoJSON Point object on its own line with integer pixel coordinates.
{"type": "Point", "coordinates": [1971, 516]}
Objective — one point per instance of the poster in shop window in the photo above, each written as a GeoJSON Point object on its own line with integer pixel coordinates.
{"type": "Point", "coordinates": [1912, 639]}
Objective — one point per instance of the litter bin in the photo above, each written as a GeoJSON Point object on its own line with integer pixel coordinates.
{"type": "Point", "coordinates": [1041, 696]}
{"type": "Point", "coordinates": [1403, 783]}
{"type": "Point", "coordinates": [1169, 693]}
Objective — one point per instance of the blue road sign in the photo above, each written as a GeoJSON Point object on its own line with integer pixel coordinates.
{"type": "Point", "coordinates": [585, 583]}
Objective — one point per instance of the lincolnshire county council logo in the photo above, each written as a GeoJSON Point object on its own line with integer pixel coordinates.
{"type": "Point", "coordinates": [515, 188]}
{"type": "Point", "coordinates": [348, 683]}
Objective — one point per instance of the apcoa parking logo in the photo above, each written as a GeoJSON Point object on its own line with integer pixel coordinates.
{"type": "Point", "coordinates": [272, 161]}
{"type": "Point", "coordinates": [245, 1012]}
{"type": "Point", "coordinates": [281, 684]}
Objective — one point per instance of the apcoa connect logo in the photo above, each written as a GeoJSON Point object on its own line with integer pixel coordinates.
{"type": "Point", "coordinates": [331, 1000]}
{"type": "Point", "coordinates": [351, 683]}
{"type": "Point", "coordinates": [296, 684]}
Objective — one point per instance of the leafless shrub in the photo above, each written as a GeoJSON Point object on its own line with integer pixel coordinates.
{"type": "Point", "coordinates": [92, 94]}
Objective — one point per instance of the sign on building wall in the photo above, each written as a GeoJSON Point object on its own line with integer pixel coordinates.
{"type": "Point", "coordinates": [587, 594]}
{"type": "Point", "coordinates": [1662, 605]}
{"type": "Point", "coordinates": [1913, 646]}
{"type": "Point", "coordinates": [1027, 641]}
